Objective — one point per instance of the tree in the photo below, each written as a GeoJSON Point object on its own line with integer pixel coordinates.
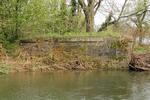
{"type": "Point", "coordinates": [111, 19]}
{"type": "Point", "coordinates": [139, 22]}
{"type": "Point", "coordinates": [11, 18]}
{"type": "Point", "coordinates": [129, 10]}
{"type": "Point", "coordinates": [63, 18]}
{"type": "Point", "coordinates": [90, 9]}
{"type": "Point", "coordinates": [74, 7]}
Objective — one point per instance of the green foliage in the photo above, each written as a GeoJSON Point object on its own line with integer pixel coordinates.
{"type": "Point", "coordinates": [141, 49]}
{"type": "Point", "coordinates": [62, 21]}
{"type": "Point", "coordinates": [35, 17]}
{"type": "Point", "coordinates": [110, 32]}
{"type": "Point", "coordinates": [73, 7]}
{"type": "Point", "coordinates": [11, 19]}
{"type": "Point", "coordinates": [21, 18]}
{"type": "Point", "coordinates": [141, 4]}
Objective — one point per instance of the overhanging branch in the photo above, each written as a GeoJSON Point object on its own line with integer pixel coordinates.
{"type": "Point", "coordinates": [82, 4]}
{"type": "Point", "coordinates": [97, 5]}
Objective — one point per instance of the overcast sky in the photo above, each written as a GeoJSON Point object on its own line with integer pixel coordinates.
{"type": "Point", "coordinates": [107, 6]}
{"type": "Point", "coordinates": [100, 16]}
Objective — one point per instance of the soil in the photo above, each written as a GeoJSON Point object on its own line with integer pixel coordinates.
{"type": "Point", "coordinates": [140, 62]}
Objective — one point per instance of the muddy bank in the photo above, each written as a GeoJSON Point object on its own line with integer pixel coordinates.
{"type": "Point", "coordinates": [140, 62]}
{"type": "Point", "coordinates": [69, 54]}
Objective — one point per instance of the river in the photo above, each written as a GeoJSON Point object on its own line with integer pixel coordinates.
{"type": "Point", "coordinates": [92, 85]}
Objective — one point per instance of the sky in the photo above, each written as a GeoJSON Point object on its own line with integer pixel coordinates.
{"type": "Point", "coordinates": [101, 16]}
{"type": "Point", "coordinates": [106, 7]}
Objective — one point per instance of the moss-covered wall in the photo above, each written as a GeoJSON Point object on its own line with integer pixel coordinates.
{"type": "Point", "coordinates": [79, 53]}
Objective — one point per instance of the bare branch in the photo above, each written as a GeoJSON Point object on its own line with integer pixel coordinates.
{"type": "Point", "coordinates": [97, 5]}
{"type": "Point", "coordinates": [136, 13]}
{"type": "Point", "coordinates": [82, 3]}
{"type": "Point", "coordinates": [122, 10]}
{"type": "Point", "coordinates": [107, 22]}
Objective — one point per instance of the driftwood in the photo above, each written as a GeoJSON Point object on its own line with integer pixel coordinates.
{"type": "Point", "coordinates": [140, 62]}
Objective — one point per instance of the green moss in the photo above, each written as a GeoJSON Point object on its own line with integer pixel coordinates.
{"type": "Point", "coordinates": [142, 49]}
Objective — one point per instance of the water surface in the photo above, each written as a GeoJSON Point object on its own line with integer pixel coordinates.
{"type": "Point", "coordinates": [99, 85]}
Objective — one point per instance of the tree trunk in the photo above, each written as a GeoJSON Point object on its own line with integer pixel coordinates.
{"type": "Point", "coordinates": [140, 34]}
{"type": "Point", "coordinates": [89, 16]}
{"type": "Point", "coordinates": [17, 23]}
{"type": "Point", "coordinates": [74, 7]}
{"type": "Point", "coordinates": [89, 20]}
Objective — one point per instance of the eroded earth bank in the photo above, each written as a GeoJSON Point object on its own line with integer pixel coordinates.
{"type": "Point", "coordinates": [52, 54]}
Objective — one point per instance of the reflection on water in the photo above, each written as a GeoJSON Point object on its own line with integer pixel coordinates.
{"type": "Point", "coordinates": [115, 85]}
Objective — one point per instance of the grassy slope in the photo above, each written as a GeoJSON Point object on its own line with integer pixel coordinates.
{"type": "Point", "coordinates": [106, 33]}
{"type": "Point", "coordinates": [142, 49]}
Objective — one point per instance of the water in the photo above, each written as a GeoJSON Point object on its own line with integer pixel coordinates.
{"type": "Point", "coordinates": [114, 85]}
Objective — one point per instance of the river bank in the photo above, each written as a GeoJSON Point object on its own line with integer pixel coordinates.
{"type": "Point", "coordinates": [54, 54]}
